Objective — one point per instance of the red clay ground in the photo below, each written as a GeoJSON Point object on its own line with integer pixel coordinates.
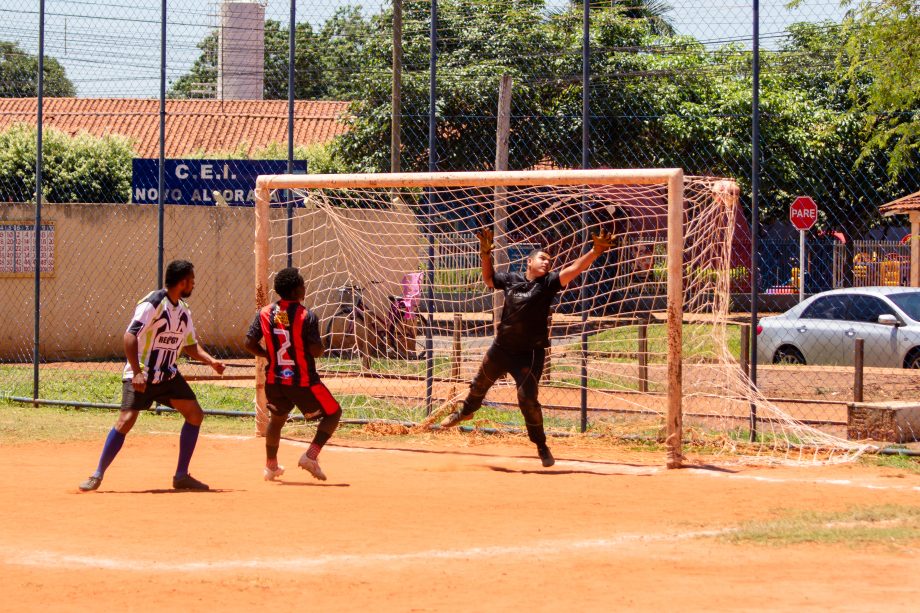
{"type": "Point", "coordinates": [443, 523]}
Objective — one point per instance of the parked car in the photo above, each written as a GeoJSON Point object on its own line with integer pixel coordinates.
{"type": "Point", "coordinates": [822, 329]}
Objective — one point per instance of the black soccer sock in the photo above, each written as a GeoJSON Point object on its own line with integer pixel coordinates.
{"type": "Point", "coordinates": [271, 452]}
{"type": "Point", "coordinates": [537, 436]}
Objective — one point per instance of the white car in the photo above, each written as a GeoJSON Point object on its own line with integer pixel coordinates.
{"type": "Point", "coordinates": [822, 329]}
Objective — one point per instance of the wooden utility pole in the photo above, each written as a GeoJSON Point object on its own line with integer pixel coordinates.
{"type": "Point", "coordinates": [500, 210]}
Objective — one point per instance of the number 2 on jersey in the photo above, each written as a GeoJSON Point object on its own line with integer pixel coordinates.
{"type": "Point", "coordinates": [282, 354]}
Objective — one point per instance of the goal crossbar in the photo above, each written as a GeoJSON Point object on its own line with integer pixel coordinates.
{"type": "Point", "coordinates": [472, 179]}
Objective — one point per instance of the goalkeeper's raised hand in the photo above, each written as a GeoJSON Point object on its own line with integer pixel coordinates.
{"type": "Point", "coordinates": [485, 237]}
{"type": "Point", "coordinates": [602, 242]}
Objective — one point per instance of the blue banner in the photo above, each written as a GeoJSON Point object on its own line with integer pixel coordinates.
{"type": "Point", "coordinates": [204, 182]}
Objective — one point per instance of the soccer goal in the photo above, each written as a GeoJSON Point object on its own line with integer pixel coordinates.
{"type": "Point", "coordinates": [641, 344]}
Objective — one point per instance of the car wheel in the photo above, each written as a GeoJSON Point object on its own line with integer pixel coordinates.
{"type": "Point", "coordinates": [913, 358]}
{"type": "Point", "coordinates": [788, 355]}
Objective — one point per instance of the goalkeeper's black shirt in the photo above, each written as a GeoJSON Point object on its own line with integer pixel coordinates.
{"type": "Point", "coordinates": [524, 325]}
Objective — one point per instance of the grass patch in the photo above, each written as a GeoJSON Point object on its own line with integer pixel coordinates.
{"type": "Point", "coordinates": [614, 383]}
{"type": "Point", "coordinates": [906, 463]}
{"type": "Point", "coordinates": [70, 384]}
{"type": "Point", "coordinates": [621, 343]}
{"type": "Point", "coordinates": [21, 423]}
{"type": "Point", "coordinates": [384, 365]}
{"type": "Point", "coordinates": [98, 387]}
{"type": "Point", "coordinates": [511, 416]}
{"type": "Point", "coordinates": [889, 524]}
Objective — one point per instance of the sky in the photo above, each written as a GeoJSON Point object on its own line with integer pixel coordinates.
{"type": "Point", "coordinates": [111, 48]}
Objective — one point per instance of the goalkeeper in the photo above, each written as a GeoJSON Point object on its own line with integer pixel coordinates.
{"type": "Point", "coordinates": [287, 335]}
{"type": "Point", "coordinates": [519, 348]}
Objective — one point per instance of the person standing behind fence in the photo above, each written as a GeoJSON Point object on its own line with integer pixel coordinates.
{"type": "Point", "coordinates": [520, 344]}
{"type": "Point", "coordinates": [286, 334]}
{"type": "Point", "coordinates": [161, 328]}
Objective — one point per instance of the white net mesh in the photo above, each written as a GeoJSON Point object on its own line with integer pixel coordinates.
{"type": "Point", "coordinates": [394, 276]}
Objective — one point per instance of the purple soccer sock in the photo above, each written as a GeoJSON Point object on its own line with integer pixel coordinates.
{"type": "Point", "coordinates": [113, 443]}
{"type": "Point", "coordinates": [188, 438]}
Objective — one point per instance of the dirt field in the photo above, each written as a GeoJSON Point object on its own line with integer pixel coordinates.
{"type": "Point", "coordinates": [442, 523]}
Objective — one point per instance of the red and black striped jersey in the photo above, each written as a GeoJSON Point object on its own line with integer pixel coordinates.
{"type": "Point", "coordinates": [288, 329]}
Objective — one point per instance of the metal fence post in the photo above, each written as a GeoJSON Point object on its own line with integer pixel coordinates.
{"type": "Point", "coordinates": [642, 352]}
{"type": "Point", "coordinates": [161, 177]}
{"type": "Point", "coordinates": [858, 355]}
{"type": "Point", "coordinates": [744, 354]}
{"type": "Point", "coordinates": [36, 340]}
{"type": "Point", "coordinates": [432, 167]}
{"type": "Point", "coordinates": [457, 351]}
{"type": "Point", "coordinates": [755, 195]}
{"type": "Point", "coordinates": [585, 163]}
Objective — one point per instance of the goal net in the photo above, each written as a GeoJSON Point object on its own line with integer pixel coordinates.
{"type": "Point", "coordinates": [642, 344]}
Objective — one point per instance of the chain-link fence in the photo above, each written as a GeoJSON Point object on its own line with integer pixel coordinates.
{"type": "Point", "coordinates": [668, 86]}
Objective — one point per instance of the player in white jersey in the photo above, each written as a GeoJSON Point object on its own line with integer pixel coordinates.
{"type": "Point", "coordinates": [161, 328]}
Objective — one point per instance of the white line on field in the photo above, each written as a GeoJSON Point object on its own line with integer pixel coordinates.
{"type": "Point", "coordinates": [58, 560]}
{"type": "Point", "coordinates": [839, 482]}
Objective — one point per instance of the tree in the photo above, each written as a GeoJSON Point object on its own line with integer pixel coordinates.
{"type": "Point", "coordinates": [341, 48]}
{"type": "Point", "coordinates": [652, 11]}
{"type": "Point", "coordinates": [201, 78]}
{"type": "Point", "coordinates": [19, 72]}
{"type": "Point", "coordinates": [478, 42]}
{"type": "Point", "coordinates": [309, 82]}
{"type": "Point", "coordinates": [325, 62]}
{"type": "Point", "coordinates": [824, 151]}
{"type": "Point", "coordinates": [881, 41]}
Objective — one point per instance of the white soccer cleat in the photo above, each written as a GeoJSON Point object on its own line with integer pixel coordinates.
{"type": "Point", "coordinates": [272, 474]}
{"type": "Point", "coordinates": [311, 466]}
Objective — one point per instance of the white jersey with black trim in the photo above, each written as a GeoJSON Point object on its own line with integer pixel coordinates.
{"type": "Point", "coordinates": [162, 330]}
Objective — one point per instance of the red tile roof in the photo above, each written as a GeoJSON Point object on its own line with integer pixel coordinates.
{"type": "Point", "coordinates": [211, 126]}
{"type": "Point", "coordinates": [901, 205]}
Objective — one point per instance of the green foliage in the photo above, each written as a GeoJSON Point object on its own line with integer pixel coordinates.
{"type": "Point", "coordinates": [201, 79]}
{"type": "Point", "coordinates": [81, 168]}
{"type": "Point", "coordinates": [19, 74]}
{"type": "Point", "coordinates": [882, 43]}
{"type": "Point", "coordinates": [479, 41]}
{"type": "Point", "coordinates": [320, 157]}
{"type": "Point", "coordinates": [325, 62]}
{"type": "Point", "coordinates": [840, 127]}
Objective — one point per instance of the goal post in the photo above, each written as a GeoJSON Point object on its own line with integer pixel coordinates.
{"type": "Point", "coordinates": [675, 250]}
{"type": "Point", "coordinates": [670, 182]}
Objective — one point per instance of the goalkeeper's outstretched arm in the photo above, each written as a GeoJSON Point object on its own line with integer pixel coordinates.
{"type": "Point", "coordinates": [602, 243]}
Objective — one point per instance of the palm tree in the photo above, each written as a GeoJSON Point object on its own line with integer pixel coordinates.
{"type": "Point", "coordinates": [654, 11]}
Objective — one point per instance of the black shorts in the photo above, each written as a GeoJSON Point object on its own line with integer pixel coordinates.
{"type": "Point", "coordinates": [176, 388]}
{"type": "Point", "coordinates": [313, 401]}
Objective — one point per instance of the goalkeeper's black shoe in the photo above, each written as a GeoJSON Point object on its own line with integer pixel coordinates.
{"type": "Point", "coordinates": [189, 482]}
{"type": "Point", "coordinates": [546, 457]}
{"type": "Point", "coordinates": [91, 484]}
{"type": "Point", "coordinates": [454, 419]}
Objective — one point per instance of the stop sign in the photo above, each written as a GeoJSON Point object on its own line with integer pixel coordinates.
{"type": "Point", "coordinates": [803, 213]}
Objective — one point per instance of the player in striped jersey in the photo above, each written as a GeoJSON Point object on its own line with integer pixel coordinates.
{"type": "Point", "coordinates": [286, 334]}
{"type": "Point", "coordinates": [160, 329]}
